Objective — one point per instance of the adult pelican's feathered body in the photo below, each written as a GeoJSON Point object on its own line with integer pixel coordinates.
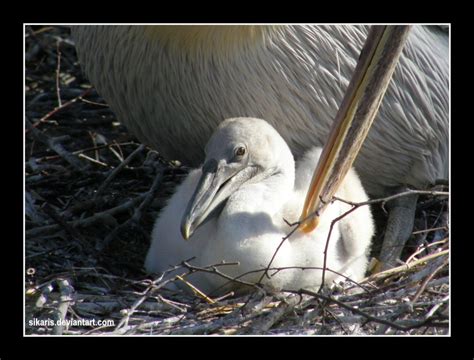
{"type": "Point", "coordinates": [234, 207]}
{"type": "Point", "coordinates": [172, 85]}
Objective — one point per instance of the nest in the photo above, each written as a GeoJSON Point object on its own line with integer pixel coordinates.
{"type": "Point", "coordinates": [92, 193]}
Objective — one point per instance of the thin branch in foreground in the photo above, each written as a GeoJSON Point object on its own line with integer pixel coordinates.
{"type": "Point", "coordinates": [326, 247]}
{"type": "Point", "coordinates": [354, 205]}
{"type": "Point", "coordinates": [156, 284]}
{"type": "Point", "coordinates": [392, 197]}
{"type": "Point", "coordinates": [160, 282]}
{"type": "Point", "coordinates": [212, 269]}
{"type": "Point", "coordinates": [195, 290]}
{"type": "Point", "coordinates": [265, 273]}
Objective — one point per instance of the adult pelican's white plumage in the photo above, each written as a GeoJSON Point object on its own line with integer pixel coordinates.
{"type": "Point", "coordinates": [234, 208]}
{"type": "Point", "coordinates": [172, 85]}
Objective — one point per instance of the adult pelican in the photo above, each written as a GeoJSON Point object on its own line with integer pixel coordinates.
{"type": "Point", "coordinates": [172, 85]}
{"type": "Point", "coordinates": [233, 209]}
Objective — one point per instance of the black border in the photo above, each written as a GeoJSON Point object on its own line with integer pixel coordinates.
{"type": "Point", "coordinates": [12, 341]}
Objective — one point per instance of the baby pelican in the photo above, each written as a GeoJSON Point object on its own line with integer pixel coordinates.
{"type": "Point", "coordinates": [233, 209]}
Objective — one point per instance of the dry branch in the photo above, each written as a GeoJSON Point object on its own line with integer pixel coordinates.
{"type": "Point", "coordinates": [118, 169]}
{"type": "Point", "coordinates": [53, 144]}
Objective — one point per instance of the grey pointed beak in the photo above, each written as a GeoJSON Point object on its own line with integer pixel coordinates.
{"type": "Point", "coordinates": [202, 197]}
{"type": "Point", "coordinates": [218, 181]}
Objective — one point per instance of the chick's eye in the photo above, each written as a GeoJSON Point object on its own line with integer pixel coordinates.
{"type": "Point", "coordinates": [240, 151]}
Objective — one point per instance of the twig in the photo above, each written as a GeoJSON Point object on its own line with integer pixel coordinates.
{"type": "Point", "coordinates": [429, 230]}
{"type": "Point", "coordinates": [94, 148]}
{"type": "Point", "coordinates": [94, 103]}
{"type": "Point", "coordinates": [61, 222]}
{"type": "Point", "coordinates": [90, 220]}
{"type": "Point", "coordinates": [138, 212]}
{"type": "Point", "coordinates": [53, 144]}
{"type": "Point", "coordinates": [285, 306]}
{"type": "Point", "coordinates": [428, 278]}
{"type": "Point", "coordinates": [265, 273]}
{"type": "Point", "coordinates": [119, 168]}
{"type": "Point", "coordinates": [426, 247]}
{"type": "Point", "coordinates": [436, 307]}
{"type": "Point", "coordinates": [93, 160]}
{"type": "Point", "coordinates": [392, 197]}
{"type": "Point", "coordinates": [58, 68]}
{"type": "Point", "coordinates": [55, 110]}
{"type": "Point", "coordinates": [405, 267]}
{"type": "Point", "coordinates": [94, 143]}
{"type": "Point", "coordinates": [384, 295]}
{"type": "Point", "coordinates": [153, 285]}
{"type": "Point", "coordinates": [195, 290]}
{"type": "Point", "coordinates": [66, 291]}
{"type": "Point", "coordinates": [355, 206]}
{"type": "Point", "coordinates": [212, 269]}
{"type": "Point", "coordinates": [364, 314]}
{"type": "Point", "coordinates": [326, 247]}
{"type": "Point", "coordinates": [37, 32]}
{"type": "Point", "coordinates": [113, 151]}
